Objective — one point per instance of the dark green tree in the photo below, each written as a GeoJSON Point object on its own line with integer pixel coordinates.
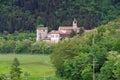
{"type": "Point", "coordinates": [61, 52]}
{"type": "Point", "coordinates": [22, 15]}
{"type": "Point", "coordinates": [108, 69]}
{"type": "Point", "coordinates": [81, 31]}
{"type": "Point", "coordinates": [73, 33]}
{"type": "Point", "coordinates": [15, 70]}
{"type": "Point", "coordinates": [78, 68]}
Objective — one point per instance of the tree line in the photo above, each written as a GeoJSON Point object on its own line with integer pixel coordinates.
{"type": "Point", "coordinates": [26, 15]}
{"type": "Point", "coordinates": [24, 42]}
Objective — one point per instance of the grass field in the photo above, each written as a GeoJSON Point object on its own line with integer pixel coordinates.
{"type": "Point", "coordinates": [37, 65]}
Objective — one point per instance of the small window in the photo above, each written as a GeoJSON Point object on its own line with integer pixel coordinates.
{"type": "Point", "coordinates": [57, 35]}
{"type": "Point", "coordinates": [52, 35]}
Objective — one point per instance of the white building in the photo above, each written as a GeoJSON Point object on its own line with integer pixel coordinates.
{"type": "Point", "coordinates": [56, 35]}
{"type": "Point", "coordinates": [42, 33]}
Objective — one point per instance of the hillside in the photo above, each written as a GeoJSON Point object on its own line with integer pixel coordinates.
{"type": "Point", "coordinates": [95, 52]}
{"type": "Point", "coordinates": [113, 25]}
{"type": "Point", "coordinates": [26, 15]}
{"type": "Point", "coordinates": [73, 58]}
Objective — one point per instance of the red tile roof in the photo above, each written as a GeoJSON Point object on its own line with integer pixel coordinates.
{"type": "Point", "coordinates": [65, 28]}
{"type": "Point", "coordinates": [54, 32]}
{"type": "Point", "coordinates": [59, 32]}
{"type": "Point", "coordinates": [77, 28]}
{"type": "Point", "coordinates": [65, 33]}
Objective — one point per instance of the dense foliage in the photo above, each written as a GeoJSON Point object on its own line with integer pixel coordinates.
{"type": "Point", "coordinates": [97, 50]}
{"type": "Point", "coordinates": [22, 15]}
{"type": "Point", "coordinates": [23, 43]}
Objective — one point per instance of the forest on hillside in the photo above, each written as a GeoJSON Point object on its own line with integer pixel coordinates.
{"type": "Point", "coordinates": [91, 56]}
{"type": "Point", "coordinates": [26, 15]}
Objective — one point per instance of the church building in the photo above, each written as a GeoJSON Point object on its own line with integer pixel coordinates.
{"type": "Point", "coordinates": [55, 35]}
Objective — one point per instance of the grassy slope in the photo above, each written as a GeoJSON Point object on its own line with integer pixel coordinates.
{"type": "Point", "coordinates": [36, 65]}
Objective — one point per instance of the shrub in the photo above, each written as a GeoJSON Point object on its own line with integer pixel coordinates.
{"type": "Point", "coordinates": [41, 48]}
{"type": "Point", "coordinates": [7, 46]}
{"type": "Point", "coordinates": [36, 48]}
{"type": "Point", "coordinates": [23, 46]}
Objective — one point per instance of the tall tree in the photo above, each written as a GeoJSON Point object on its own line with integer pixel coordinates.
{"type": "Point", "coordinates": [15, 70]}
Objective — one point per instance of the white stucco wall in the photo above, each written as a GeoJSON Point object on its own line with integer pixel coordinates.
{"type": "Point", "coordinates": [37, 38]}
{"type": "Point", "coordinates": [55, 38]}
{"type": "Point", "coordinates": [41, 34]}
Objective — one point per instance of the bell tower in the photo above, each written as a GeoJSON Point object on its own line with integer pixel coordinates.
{"type": "Point", "coordinates": [74, 23]}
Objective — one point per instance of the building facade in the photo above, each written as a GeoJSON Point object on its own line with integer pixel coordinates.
{"type": "Point", "coordinates": [42, 33]}
{"type": "Point", "coordinates": [56, 35]}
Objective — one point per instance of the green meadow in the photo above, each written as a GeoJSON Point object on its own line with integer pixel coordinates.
{"type": "Point", "coordinates": [38, 66]}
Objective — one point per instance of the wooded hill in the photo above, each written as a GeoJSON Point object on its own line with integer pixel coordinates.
{"type": "Point", "coordinates": [26, 15]}
{"type": "Point", "coordinates": [93, 55]}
